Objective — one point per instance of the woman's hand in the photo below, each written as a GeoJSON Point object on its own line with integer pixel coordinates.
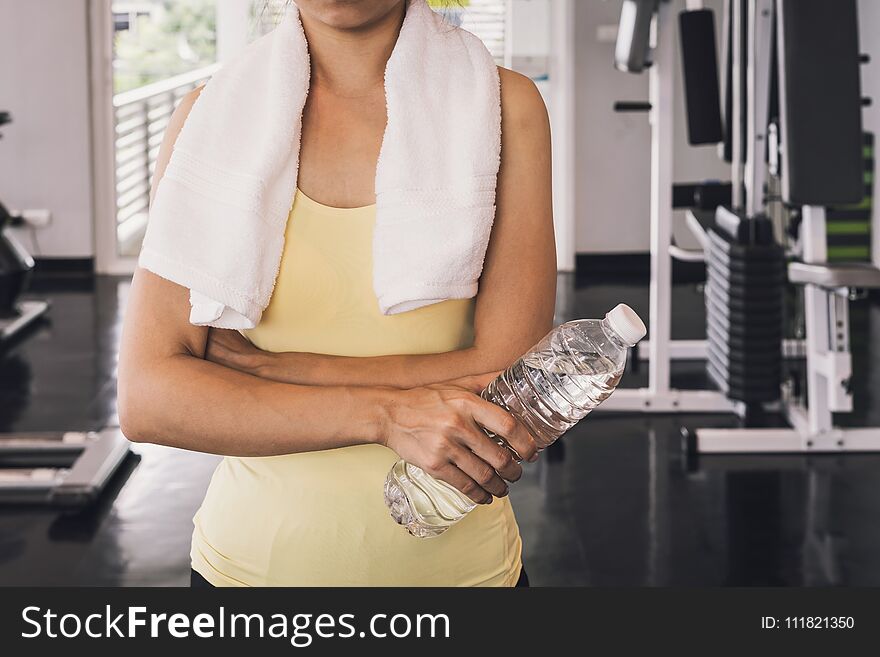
{"type": "Point", "coordinates": [438, 428]}
{"type": "Point", "coordinates": [231, 349]}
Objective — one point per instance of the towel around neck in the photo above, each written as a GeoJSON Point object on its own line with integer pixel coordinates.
{"type": "Point", "coordinates": [217, 222]}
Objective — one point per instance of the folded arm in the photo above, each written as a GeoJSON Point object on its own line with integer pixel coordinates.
{"type": "Point", "coordinates": [514, 308]}
{"type": "Point", "coordinates": [168, 393]}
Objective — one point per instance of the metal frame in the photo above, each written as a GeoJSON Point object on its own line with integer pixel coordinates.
{"type": "Point", "coordinates": [562, 111]}
{"type": "Point", "coordinates": [699, 349]}
{"type": "Point", "coordinates": [659, 396]}
{"type": "Point", "coordinates": [735, 46]}
{"type": "Point", "coordinates": [760, 39]}
{"type": "Point", "coordinates": [107, 258]}
{"type": "Point", "coordinates": [661, 117]}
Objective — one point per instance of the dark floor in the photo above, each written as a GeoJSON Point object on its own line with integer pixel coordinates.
{"type": "Point", "coordinates": [616, 502]}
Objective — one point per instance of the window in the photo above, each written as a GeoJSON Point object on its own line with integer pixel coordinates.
{"type": "Point", "coordinates": [162, 50]}
{"type": "Point", "coordinates": [158, 39]}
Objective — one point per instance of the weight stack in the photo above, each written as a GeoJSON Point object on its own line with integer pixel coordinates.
{"type": "Point", "coordinates": [745, 270]}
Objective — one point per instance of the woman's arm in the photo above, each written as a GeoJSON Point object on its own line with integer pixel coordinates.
{"type": "Point", "coordinates": [514, 308]}
{"type": "Point", "coordinates": [169, 394]}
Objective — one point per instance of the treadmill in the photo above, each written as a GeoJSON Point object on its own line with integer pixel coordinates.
{"type": "Point", "coordinates": [68, 468]}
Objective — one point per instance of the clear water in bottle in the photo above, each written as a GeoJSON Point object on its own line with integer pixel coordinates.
{"type": "Point", "coordinates": [573, 369]}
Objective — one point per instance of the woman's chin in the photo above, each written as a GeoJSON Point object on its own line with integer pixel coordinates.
{"type": "Point", "coordinates": [347, 14]}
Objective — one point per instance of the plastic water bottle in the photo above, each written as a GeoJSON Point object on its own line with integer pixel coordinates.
{"type": "Point", "coordinates": [573, 369]}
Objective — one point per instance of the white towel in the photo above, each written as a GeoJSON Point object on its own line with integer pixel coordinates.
{"type": "Point", "coordinates": [218, 219]}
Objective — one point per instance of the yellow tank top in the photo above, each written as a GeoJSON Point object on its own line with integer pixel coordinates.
{"type": "Point", "coordinates": [319, 518]}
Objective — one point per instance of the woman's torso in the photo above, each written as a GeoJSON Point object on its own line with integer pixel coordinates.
{"type": "Point", "coordinates": [319, 518]}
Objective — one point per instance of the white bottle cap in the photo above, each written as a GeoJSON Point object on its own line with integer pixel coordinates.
{"type": "Point", "coordinates": [626, 323]}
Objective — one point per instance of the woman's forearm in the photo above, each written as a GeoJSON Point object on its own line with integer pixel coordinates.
{"type": "Point", "coordinates": [401, 371]}
{"type": "Point", "coordinates": [184, 401]}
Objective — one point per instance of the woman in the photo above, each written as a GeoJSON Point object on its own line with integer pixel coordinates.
{"type": "Point", "coordinates": [313, 408]}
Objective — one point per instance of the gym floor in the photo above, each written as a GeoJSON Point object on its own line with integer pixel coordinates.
{"type": "Point", "coordinates": [617, 502]}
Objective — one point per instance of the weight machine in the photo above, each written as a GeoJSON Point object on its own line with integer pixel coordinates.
{"type": "Point", "coordinates": [793, 122]}
{"type": "Point", "coordinates": [62, 468]}
{"type": "Point", "coordinates": [643, 42]}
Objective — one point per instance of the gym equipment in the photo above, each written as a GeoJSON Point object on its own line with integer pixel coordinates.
{"type": "Point", "coordinates": [820, 164]}
{"type": "Point", "coordinates": [59, 469]}
{"type": "Point", "coordinates": [632, 51]}
{"type": "Point", "coordinates": [700, 73]}
{"type": "Point", "coordinates": [63, 468]}
{"type": "Point", "coordinates": [849, 225]}
{"type": "Point", "coordinates": [701, 196]}
{"type": "Point", "coordinates": [792, 120]}
{"type": "Point", "coordinates": [659, 396]}
{"type": "Point", "coordinates": [818, 168]}
{"type": "Point", "coordinates": [16, 265]}
{"type": "Point", "coordinates": [744, 295]}
{"type": "Point", "coordinates": [15, 268]}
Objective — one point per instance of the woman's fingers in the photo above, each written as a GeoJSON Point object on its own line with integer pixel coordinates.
{"type": "Point", "coordinates": [441, 430]}
{"type": "Point", "coordinates": [490, 452]}
{"type": "Point", "coordinates": [496, 419]}
{"type": "Point", "coordinates": [502, 423]}
{"type": "Point", "coordinates": [481, 471]}
{"type": "Point", "coordinates": [453, 475]}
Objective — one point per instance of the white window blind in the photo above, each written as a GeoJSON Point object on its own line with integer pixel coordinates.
{"type": "Point", "coordinates": [485, 18]}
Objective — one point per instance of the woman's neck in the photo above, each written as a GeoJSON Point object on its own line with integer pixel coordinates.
{"type": "Point", "coordinates": [351, 62]}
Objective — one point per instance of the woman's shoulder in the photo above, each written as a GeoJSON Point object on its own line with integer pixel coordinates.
{"type": "Point", "coordinates": [184, 107]}
{"type": "Point", "coordinates": [175, 125]}
{"type": "Point", "coordinates": [522, 104]}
